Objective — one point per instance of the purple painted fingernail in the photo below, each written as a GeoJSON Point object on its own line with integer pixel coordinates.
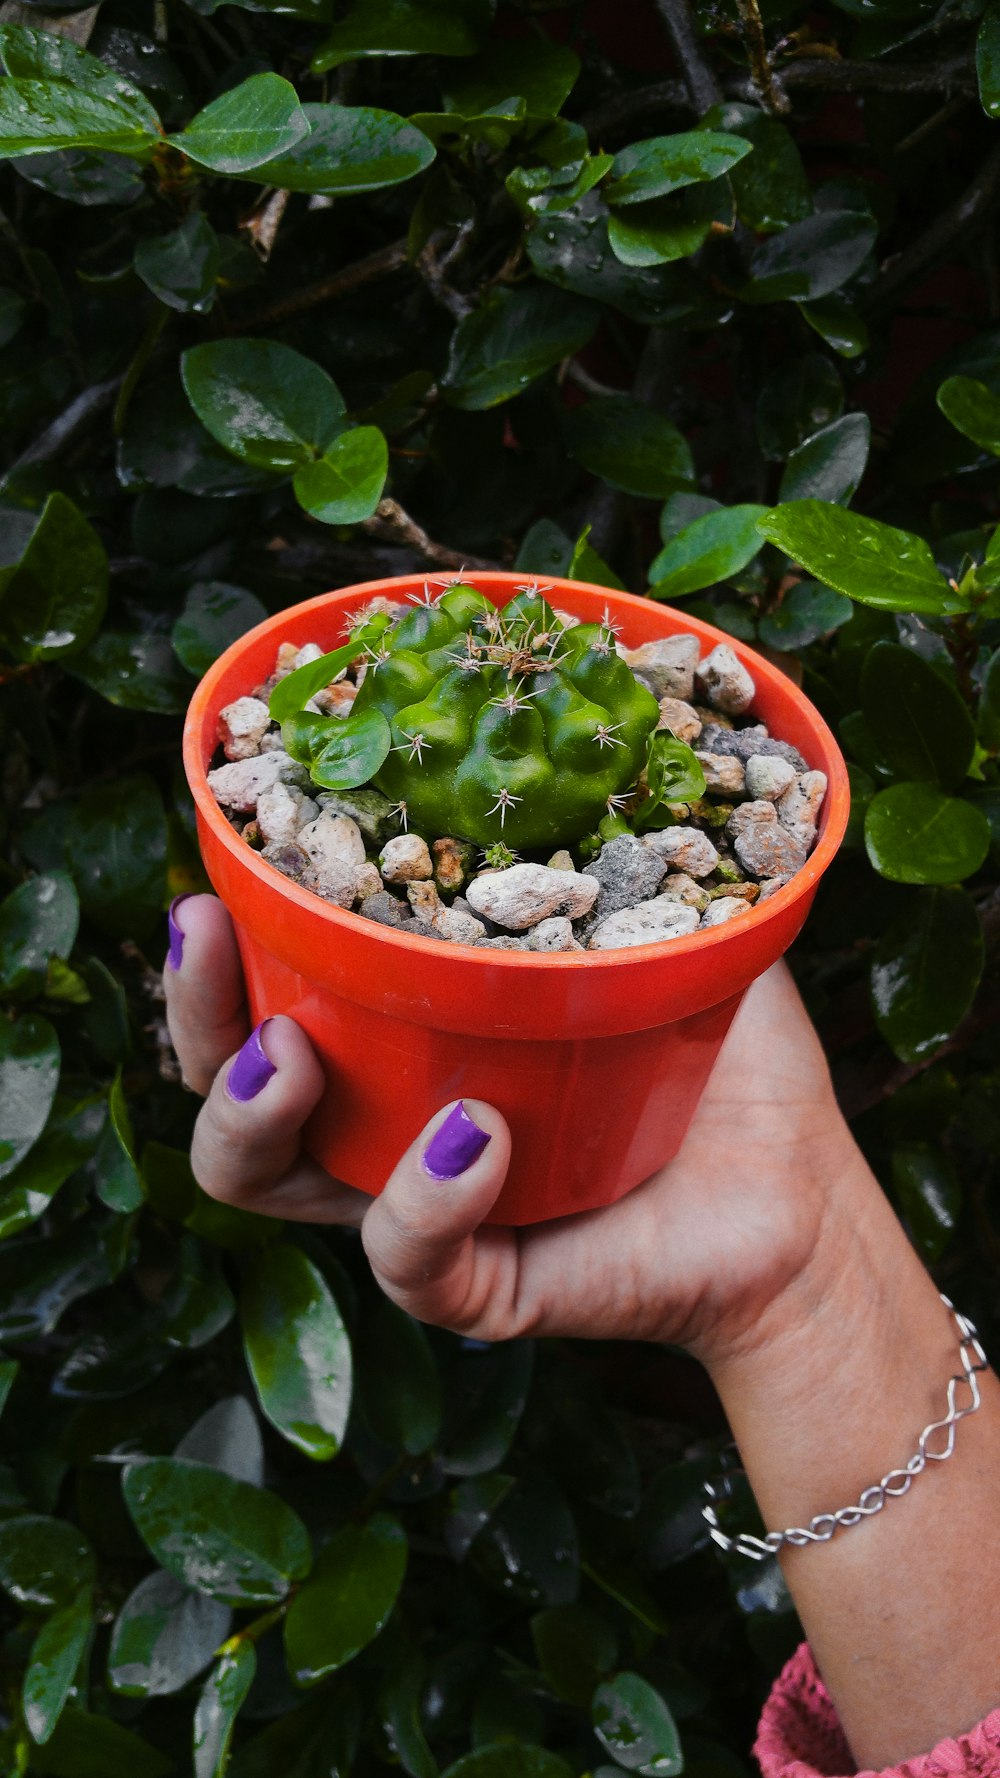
{"type": "Point", "coordinates": [251, 1069]}
{"type": "Point", "coordinates": [454, 1146]}
{"type": "Point", "coordinates": [175, 952]}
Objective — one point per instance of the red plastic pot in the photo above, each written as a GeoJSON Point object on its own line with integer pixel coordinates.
{"type": "Point", "coordinates": [596, 1059]}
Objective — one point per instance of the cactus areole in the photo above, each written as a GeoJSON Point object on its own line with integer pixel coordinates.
{"type": "Point", "coordinates": [491, 725]}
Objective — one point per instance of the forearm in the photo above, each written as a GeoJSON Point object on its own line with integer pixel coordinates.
{"type": "Point", "coordinates": [902, 1610]}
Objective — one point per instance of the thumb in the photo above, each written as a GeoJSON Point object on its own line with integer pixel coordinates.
{"type": "Point", "coordinates": [421, 1235]}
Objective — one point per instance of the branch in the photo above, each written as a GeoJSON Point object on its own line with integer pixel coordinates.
{"type": "Point", "coordinates": [961, 220]}
{"type": "Point", "coordinates": [392, 523]}
{"type": "Point", "coordinates": [67, 427]}
{"type": "Point", "coordinates": [699, 77]}
{"type": "Point", "coordinates": [350, 277]}
{"type": "Point", "coordinates": [768, 93]}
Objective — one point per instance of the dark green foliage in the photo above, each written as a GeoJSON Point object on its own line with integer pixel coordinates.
{"type": "Point", "coordinates": [304, 296]}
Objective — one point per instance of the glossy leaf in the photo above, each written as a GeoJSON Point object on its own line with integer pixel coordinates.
{"type": "Point", "coordinates": [163, 1637]}
{"type": "Point", "coordinates": [251, 124]}
{"type": "Point", "coordinates": [48, 114]}
{"type": "Point", "coordinates": [263, 402]}
{"type": "Point", "coordinates": [770, 185]}
{"type": "Point", "coordinates": [43, 1561]}
{"type": "Point", "coordinates": [405, 28]}
{"type": "Point", "coordinates": [38, 921]}
{"type": "Point", "coordinates": [227, 1437]}
{"type": "Point", "coordinates": [801, 396]}
{"type": "Point", "coordinates": [294, 691]}
{"type": "Point", "coordinates": [572, 250]}
{"type": "Point", "coordinates": [350, 149]}
{"type": "Point", "coordinates": [239, 1544]}
{"type": "Point", "coordinates": [830, 464]}
{"type": "Point", "coordinates": [82, 176]}
{"type": "Point", "coordinates": [838, 324]}
{"type": "Point", "coordinates": [634, 1724]}
{"type": "Point", "coordinates": [55, 1656]}
{"type": "Point", "coordinates": [41, 1278]}
{"type": "Point", "coordinates": [118, 1142]}
{"type": "Point", "coordinates": [484, 1400]}
{"type": "Point", "coordinates": [116, 844]}
{"type": "Point", "coordinates": [399, 1705]}
{"type": "Point", "coordinates": [811, 258]}
{"type": "Point", "coordinates": [528, 1546]}
{"type": "Point", "coordinates": [214, 615]}
{"type": "Point", "coordinates": [512, 338]}
{"type": "Point", "coordinates": [221, 1700]}
{"type": "Point", "coordinates": [928, 1193]}
{"type": "Point", "coordinates": [297, 1350]}
{"type": "Point", "coordinates": [925, 972]}
{"type": "Point", "coordinates": [662, 230]}
{"type": "Point", "coordinates": [134, 670]}
{"type": "Point", "coordinates": [711, 549]}
{"type": "Point", "coordinates": [869, 561]}
{"type": "Point", "coordinates": [629, 445]}
{"type": "Point", "coordinates": [536, 69]}
{"type": "Point", "coordinates": [53, 600]}
{"type": "Point", "coordinates": [585, 564]}
{"type": "Point", "coordinates": [973, 409]}
{"type": "Point", "coordinates": [182, 268]}
{"type": "Point", "coordinates": [29, 1076]}
{"type": "Point", "coordinates": [914, 833]}
{"type": "Point", "coordinates": [399, 1388]}
{"type": "Point", "coordinates": [342, 754]}
{"type": "Point", "coordinates": [663, 164]}
{"type": "Point", "coordinates": [90, 1746]}
{"type": "Point", "coordinates": [345, 485]}
{"type": "Point", "coordinates": [509, 1759]}
{"type": "Point", "coordinates": [347, 1599]}
{"type": "Point", "coordinates": [807, 612]}
{"type": "Point", "coordinates": [917, 719]}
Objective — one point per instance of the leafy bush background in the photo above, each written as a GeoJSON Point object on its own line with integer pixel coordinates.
{"type": "Point", "coordinates": [566, 379]}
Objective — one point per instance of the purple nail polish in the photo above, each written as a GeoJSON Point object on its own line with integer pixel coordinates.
{"type": "Point", "coordinates": [251, 1070]}
{"type": "Point", "coordinates": [454, 1146]}
{"type": "Point", "coordinates": [175, 952]}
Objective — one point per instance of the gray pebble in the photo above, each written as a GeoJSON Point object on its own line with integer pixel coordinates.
{"type": "Point", "coordinates": [744, 742]}
{"type": "Point", "coordinates": [667, 665]}
{"type": "Point", "coordinates": [526, 893]}
{"type": "Point", "coordinates": [287, 857]}
{"type": "Point", "coordinates": [766, 849]}
{"type": "Point", "coordinates": [768, 776]}
{"type": "Point", "coordinates": [369, 808]}
{"type": "Point", "coordinates": [726, 908]}
{"type": "Point", "coordinates": [628, 872]}
{"type": "Point", "coordinates": [555, 934]}
{"type": "Point", "coordinates": [724, 773]}
{"type": "Point", "coordinates": [799, 806]}
{"type": "Point", "coordinates": [684, 848]}
{"type": "Point", "coordinates": [386, 910]}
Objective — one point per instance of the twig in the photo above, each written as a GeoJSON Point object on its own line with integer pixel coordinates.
{"type": "Point", "coordinates": [702, 85]}
{"type": "Point", "coordinates": [768, 93]}
{"type": "Point", "coordinates": [390, 520]}
{"type": "Point", "coordinates": [432, 270]}
{"type": "Point", "coordinates": [350, 277]}
{"type": "Point", "coordinates": [959, 221]}
{"type": "Point", "coordinates": [67, 427]}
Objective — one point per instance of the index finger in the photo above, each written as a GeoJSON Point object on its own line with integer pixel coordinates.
{"type": "Point", "coordinates": [203, 981]}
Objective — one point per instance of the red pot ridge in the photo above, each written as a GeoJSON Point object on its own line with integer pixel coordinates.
{"type": "Point", "coordinates": [596, 1059]}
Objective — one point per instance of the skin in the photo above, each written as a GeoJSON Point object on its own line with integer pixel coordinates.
{"type": "Point", "coordinates": [766, 1248]}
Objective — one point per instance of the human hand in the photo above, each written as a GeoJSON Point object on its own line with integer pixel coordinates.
{"type": "Point", "coordinates": [759, 1206]}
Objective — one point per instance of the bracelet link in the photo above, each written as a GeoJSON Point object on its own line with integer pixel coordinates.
{"type": "Point", "coordinates": [892, 1486]}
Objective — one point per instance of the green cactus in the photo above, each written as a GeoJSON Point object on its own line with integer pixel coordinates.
{"type": "Point", "coordinates": [489, 725]}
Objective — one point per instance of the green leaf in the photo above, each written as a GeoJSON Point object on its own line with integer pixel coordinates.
{"type": "Point", "coordinates": [46, 114]}
{"type": "Point", "coordinates": [545, 549]}
{"type": "Point", "coordinates": [343, 752]}
{"type": "Point", "coordinates": [916, 834]}
{"type": "Point", "coordinates": [53, 600]}
{"type": "Point", "coordinates": [163, 1637]}
{"type": "Point", "coordinates": [929, 1196]}
{"type": "Point", "coordinates": [926, 970]}
{"type": "Point", "coordinates": [128, 1193]}
{"type": "Point", "coordinates": [295, 690]}
{"type": "Point", "coordinates": [214, 615]}
{"type": "Point", "coordinates": [838, 324]}
{"type": "Point", "coordinates": [399, 1706]}
{"type": "Point", "coordinates": [350, 149]}
{"type": "Point", "coordinates": [973, 409]}
{"type": "Point", "coordinates": [399, 1389]}
{"type": "Point", "coordinates": [527, 1548]}
{"type": "Point", "coordinates": [770, 185]}
{"type": "Point", "coordinates": [664, 229]}
{"type": "Point", "coordinates": [221, 1700]}
{"type": "Point", "coordinates": [811, 258]}
{"type": "Point", "coordinates": [585, 564]}
{"type": "Point", "coordinates": [9, 1368]}
{"type": "Point", "coordinates": [540, 72]}
{"type": "Point", "coordinates": [13, 312]}
{"type": "Point", "coordinates": [575, 1647]}
{"type": "Point", "coordinates": [38, 921]}
{"type": "Point", "coordinates": [798, 398]}
{"type": "Point", "coordinates": [116, 847]}
{"type": "Point", "coordinates": [82, 176]}
{"type": "Point", "coordinates": [405, 28]}
{"type": "Point", "coordinates": [674, 774]}
{"type": "Point", "coordinates": [198, 1302]}
{"type": "Point", "coordinates": [134, 670]}
{"type": "Point", "coordinates": [509, 1759]}
{"type": "Point", "coordinates": [513, 337]}
{"type": "Point", "coordinates": [916, 718]}
{"type": "Point", "coordinates": [297, 1350]}
{"type": "Point", "coordinates": [227, 1437]}
{"type": "Point", "coordinates": [873, 563]}
{"type": "Point", "coordinates": [571, 249]}
{"type": "Point", "coordinates": [263, 402]}
{"type": "Point", "coordinates": [347, 1598]}
{"type": "Point", "coordinates": [39, 1279]}
{"type": "Point", "coordinates": [807, 612]}
{"type": "Point", "coordinates": [345, 485]}
{"type": "Point", "coordinates": [633, 1723]}
{"type": "Point", "coordinates": [29, 1076]}
{"type": "Point", "coordinates": [830, 464]}
{"type": "Point", "coordinates": [988, 60]}
{"type": "Point", "coordinates": [250, 125]}
{"type": "Point", "coordinates": [711, 549]}
{"type": "Point", "coordinates": [43, 1561]}
{"type": "Point", "coordinates": [484, 1399]}
{"type": "Point", "coordinates": [55, 1656]}
{"type": "Point", "coordinates": [49, 55]}
{"type": "Point", "coordinates": [84, 1746]}
{"type": "Point", "coordinates": [181, 268]}
{"type": "Point", "coordinates": [663, 164]}
{"type": "Point", "coordinates": [629, 445]}
{"type": "Point", "coordinates": [239, 1544]}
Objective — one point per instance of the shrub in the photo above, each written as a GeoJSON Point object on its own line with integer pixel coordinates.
{"type": "Point", "coordinates": [704, 302]}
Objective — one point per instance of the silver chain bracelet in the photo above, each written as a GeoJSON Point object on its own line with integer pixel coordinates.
{"type": "Point", "coordinates": [897, 1482]}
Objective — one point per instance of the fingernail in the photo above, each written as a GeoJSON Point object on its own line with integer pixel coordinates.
{"type": "Point", "coordinates": [454, 1146]}
{"type": "Point", "coordinates": [251, 1070]}
{"type": "Point", "coordinates": [175, 952]}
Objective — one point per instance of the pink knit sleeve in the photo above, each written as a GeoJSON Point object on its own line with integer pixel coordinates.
{"type": "Point", "coordinates": [800, 1736]}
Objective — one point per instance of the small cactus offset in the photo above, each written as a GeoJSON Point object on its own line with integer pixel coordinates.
{"type": "Point", "coordinates": [496, 726]}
